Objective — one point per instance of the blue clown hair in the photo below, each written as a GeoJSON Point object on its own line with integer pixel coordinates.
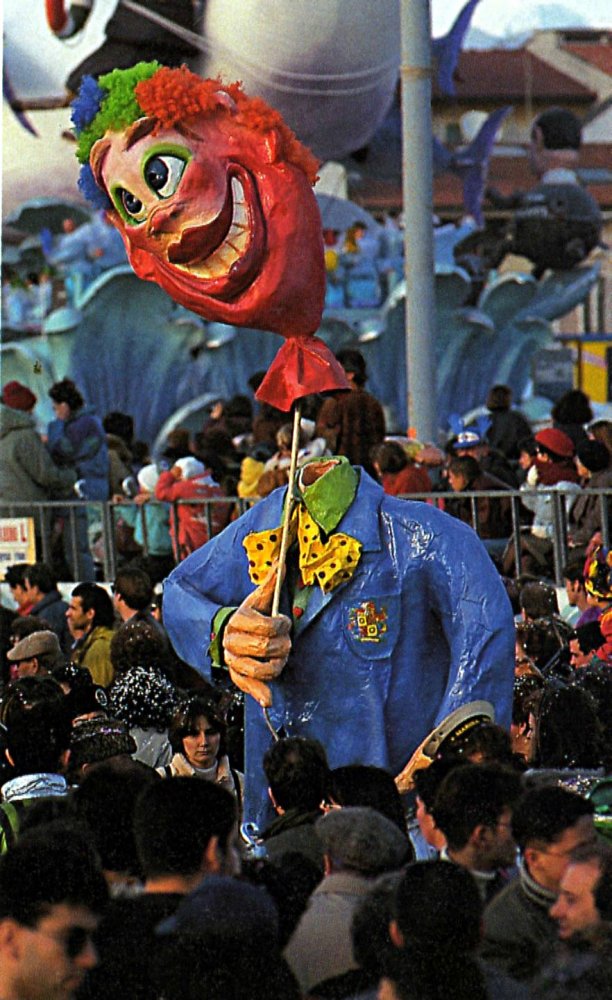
{"type": "Point", "coordinates": [90, 190]}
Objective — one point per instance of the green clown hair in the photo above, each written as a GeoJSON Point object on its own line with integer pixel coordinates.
{"type": "Point", "coordinates": [116, 108]}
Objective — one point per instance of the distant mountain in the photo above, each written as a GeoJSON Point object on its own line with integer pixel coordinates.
{"type": "Point", "coordinates": [516, 31]}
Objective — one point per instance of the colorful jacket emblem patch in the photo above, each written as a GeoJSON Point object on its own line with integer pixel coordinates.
{"type": "Point", "coordinates": [367, 622]}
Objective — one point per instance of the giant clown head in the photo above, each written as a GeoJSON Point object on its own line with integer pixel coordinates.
{"type": "Point", "coordinates": [211, 192]}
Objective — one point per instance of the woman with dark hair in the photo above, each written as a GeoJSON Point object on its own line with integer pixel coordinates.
{"type": "Point", "coordinates": [197, 737]}
{"type": "Point", "coordinates": [601, 430]}
{"type": "Point", "coordinates": [397, 472]}
{"type": "Point", "coordinates": [567, 730]}
{"type": "Point", "coordinates": [570, 414]}
{"type": "Point", "coordinates": [77, 438]}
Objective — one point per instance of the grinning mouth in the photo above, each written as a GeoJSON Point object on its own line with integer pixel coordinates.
{"type": "Point", "coordinates": [233, 231]}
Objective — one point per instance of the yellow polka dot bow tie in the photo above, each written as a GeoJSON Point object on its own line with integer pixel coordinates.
{"type": "Point", "coordinates": [327, 563]}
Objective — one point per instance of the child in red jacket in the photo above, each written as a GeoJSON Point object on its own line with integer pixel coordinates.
{"type": "Point", "coordinates": [188, 479]}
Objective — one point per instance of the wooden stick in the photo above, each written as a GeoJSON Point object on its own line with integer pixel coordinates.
{"type": "Point", "coordinates": [289, 505]}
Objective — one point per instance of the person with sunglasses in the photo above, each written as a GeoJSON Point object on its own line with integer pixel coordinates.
{"type": "Point", "coordinates": [52, 893]}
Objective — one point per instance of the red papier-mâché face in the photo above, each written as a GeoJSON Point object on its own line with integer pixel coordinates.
{"type": "Point", "coordinates": [211, 210]}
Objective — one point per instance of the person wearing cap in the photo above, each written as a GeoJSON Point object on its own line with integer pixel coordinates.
{"type": "Point", "coordinates": [352, 422]}
{"type": "Point", "coordinates": [188, 479]}
{"type": "Point", "coordinates": [37, 654]}
{"type": "Point", "coordinates": [595, 469]}
{"type": "Point", "coordinates": [598, 583]}
{"type": "Point", "coordinates": [359, 844]}
{"type": "Point", "coordinates": [472, 442]}
{"type": "Point", "coordinates": [553, 471]}
{"type": "Point", "coordinates": [93, 740]}
{"type": "Point", "coordinates": [29, 474]}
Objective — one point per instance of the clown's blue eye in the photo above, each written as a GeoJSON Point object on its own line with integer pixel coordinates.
{"type": "Point", "coordinates": [163, 174]}
{"type": "Point", "coordinates": [132, 205]}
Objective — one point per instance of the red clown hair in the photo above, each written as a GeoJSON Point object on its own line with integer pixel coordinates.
{"type": "Point", "coordinates": [176, 95]}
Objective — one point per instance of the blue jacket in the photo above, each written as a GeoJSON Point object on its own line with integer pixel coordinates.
{"type": "Point", "coordinates": [81, 441]}
{"type": "Point", "coordinates": [440, 633]}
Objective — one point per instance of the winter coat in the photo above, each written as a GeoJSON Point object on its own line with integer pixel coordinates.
{"type": "Point", "coordinates": [494, 514]}
{"type": "Point", "coordinates": [53, 609]}
{"type": "Point", "coordinates": [93, 653]}
{"type": "Point", "coordinates": [27, 471]}
{"type": "Point", "coordinates": [352, 423]}
{"type": "Point", "coordinates": [192, 522]}
{"type": "Point", "coordinates": [585, 513]}
{"type": "Point", "coordinates": [80, 441]}
{"type": "Point", "coordinates": [226, 776]}
{"type": "Point", "coordinates": [410, 479]}
{"type": "Point", "coordinates": [518, 933]}
{"type": "Point", "coordinates": [119, 463]}
{"type": "Point", "coordinates": [151, 523]}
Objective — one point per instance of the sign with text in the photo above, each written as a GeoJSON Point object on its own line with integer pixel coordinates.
{"type": "Point", "coordinates": [17, 542]}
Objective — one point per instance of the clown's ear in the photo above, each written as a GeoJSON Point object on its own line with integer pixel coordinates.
{"type": "Point", "coordinates": [272, 144]}
{"type": "Point", "coordinates": [97, 155]}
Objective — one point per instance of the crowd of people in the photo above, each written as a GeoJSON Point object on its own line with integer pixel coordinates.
{"type": "Point", "coordinates": [66, 264]}
{"type": "Point", "coordinates": [168, 504]}
{"type": "Point", "coordinates": [119, 872]}
{"type": "Point", "coordinates": [122, 869]}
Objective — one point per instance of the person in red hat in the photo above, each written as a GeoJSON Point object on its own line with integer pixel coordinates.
{"type": "Point", "coordinates": [553, 469]}
{"type": "Point", "coordinates": [28, 471]}
{"type": "Point", "coordinates": [18, 397]}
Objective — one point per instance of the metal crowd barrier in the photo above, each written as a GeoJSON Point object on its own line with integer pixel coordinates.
{"type": "Point", "coordinates": [104, 514]}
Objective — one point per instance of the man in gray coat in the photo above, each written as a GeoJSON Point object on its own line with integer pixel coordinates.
{"type": "Point", "coordinates": [358, 844]}
{"type": "Point", "coordinates": [28, 471]}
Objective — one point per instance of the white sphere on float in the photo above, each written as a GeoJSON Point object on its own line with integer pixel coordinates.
{"type": "Point", "coordinates": [330, 66]}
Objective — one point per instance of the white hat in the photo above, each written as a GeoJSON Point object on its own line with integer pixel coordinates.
{"type": "Point", "coordinates": [190, 467]}
{"type": "Point", "coordinates": [147, 477]}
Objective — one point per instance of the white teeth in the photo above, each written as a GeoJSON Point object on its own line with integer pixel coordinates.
{"type": "Point", "coordinates": [234, 244]}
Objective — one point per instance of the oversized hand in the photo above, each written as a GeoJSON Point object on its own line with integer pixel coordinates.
{"type": "Point", "coordinates": [257, 645]}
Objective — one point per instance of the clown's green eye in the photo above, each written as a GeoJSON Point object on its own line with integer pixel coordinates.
{"type": "Point", "coordinates": [132, 205]}
{"type": "Point", "coordinates": [163, 174]}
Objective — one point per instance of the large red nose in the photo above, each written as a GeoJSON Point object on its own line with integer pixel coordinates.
{"type": "Point", "coordinates": [164, 218]}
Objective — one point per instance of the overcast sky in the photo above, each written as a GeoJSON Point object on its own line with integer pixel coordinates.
{"type": "Point", "coordinates": [500, 17]}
